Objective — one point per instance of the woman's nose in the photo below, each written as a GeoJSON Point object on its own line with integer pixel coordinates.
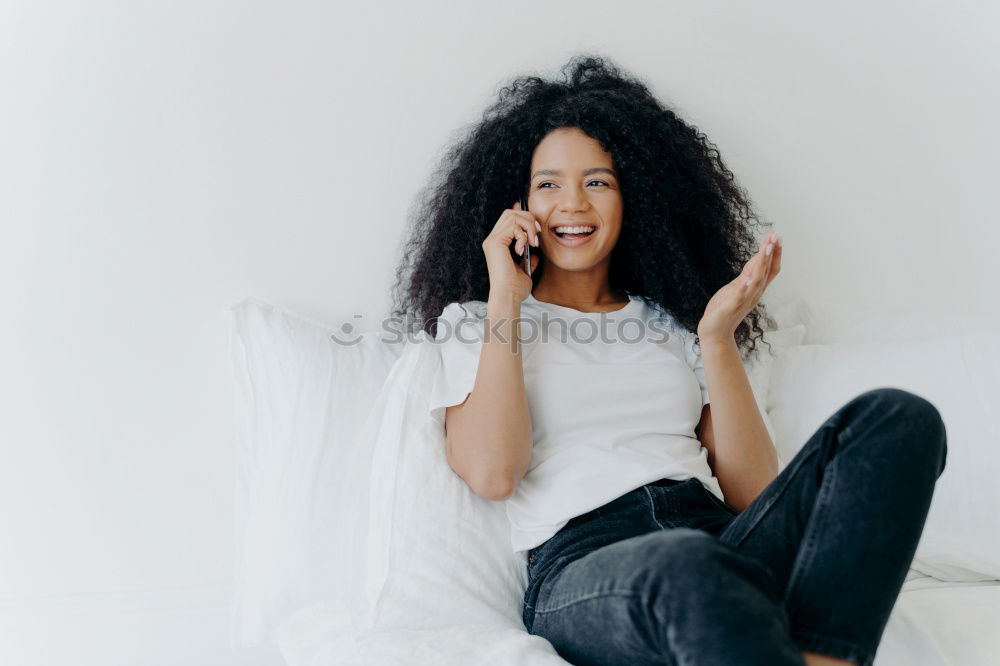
{"type": "Point", "coordinates": [573, 200]}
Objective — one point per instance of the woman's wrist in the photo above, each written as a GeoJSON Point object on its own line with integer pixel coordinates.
{"type": "Point", "coordinates": [503, 304]}
{"type": "Point", "coordinates": [503, 310]}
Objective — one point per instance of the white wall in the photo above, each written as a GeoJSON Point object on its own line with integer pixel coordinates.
{"type": "Point", "coordinates": [161, 160]}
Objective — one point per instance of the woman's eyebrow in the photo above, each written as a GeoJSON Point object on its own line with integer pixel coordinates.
{"type": "Point", "coordinates": [587, 172]}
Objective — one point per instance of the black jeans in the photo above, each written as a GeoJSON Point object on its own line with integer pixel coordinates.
{"type": "Point", "coordinates": [670, 574]}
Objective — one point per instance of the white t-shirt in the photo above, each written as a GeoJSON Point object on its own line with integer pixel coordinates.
{"type": "Point", "coordinates": [614, 399]}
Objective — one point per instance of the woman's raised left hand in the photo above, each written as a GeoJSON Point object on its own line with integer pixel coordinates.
{"type": "Point", "coordinates": [731, 304]}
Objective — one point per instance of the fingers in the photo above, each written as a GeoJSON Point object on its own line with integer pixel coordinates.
{"type": "Point", "coordinates": [764, 266]}
{"type": "Point", "coordinates": [526, 221]}
{"type": "Point", "coordinates": [775, 260]}
{"type": "Point", "coordinates": [523, 237]}
{"type": "Point", "coordinates": [517, 227]}
{"type": "Point", "coordinates": [766, 254]}
{"type": "Point", "coordinates": [530, 224]}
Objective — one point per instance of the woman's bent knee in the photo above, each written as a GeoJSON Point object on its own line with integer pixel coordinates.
{"type": "Point", "coordinates": [909, 403]}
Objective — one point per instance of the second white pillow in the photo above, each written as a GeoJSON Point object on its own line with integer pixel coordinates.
{"type": "Point", "coordinates": [961, 376]}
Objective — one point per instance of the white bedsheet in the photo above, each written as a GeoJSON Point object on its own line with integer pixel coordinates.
{"type": "Point", "coordinates": [934, 623]}
{"type": "Point", "coordinates": [938, 623]}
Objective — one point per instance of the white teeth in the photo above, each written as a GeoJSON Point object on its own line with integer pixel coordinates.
{"type": "Point", "coordinates": [573, 230]}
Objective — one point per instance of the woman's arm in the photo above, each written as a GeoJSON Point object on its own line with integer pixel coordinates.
{"type": "Point", "coordinates": [488, 437]}
{"type": "Point", "coordinates": [739, 449]}
{"type": "Point", "coordinates": [745, 459]}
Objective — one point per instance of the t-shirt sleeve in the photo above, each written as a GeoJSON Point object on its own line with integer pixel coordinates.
{"type": "Point", "coordinates": [459, 341]}
{"type": "Point", "coordinates": [694, 361]}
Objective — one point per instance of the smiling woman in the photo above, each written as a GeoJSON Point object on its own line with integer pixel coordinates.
{"type": "Point", "coordinates": [671, 224]}
{"type": "Point", "coordinates": [611, 456]}
{"type": "Point", "coordinates": [638, 477]}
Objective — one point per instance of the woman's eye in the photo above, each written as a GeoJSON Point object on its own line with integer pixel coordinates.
{"type": "Point", "coordinates": [593, 181]}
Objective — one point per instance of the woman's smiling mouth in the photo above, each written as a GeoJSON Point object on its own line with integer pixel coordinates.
{"type": "Point", "coordinates": [573, 235]}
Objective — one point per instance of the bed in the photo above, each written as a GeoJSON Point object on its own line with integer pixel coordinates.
{"type": "Point", "coordinates": [356, 543]}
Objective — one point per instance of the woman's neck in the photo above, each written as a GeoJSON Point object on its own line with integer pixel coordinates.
{"type": "Point", "coordinates": [580, 299]}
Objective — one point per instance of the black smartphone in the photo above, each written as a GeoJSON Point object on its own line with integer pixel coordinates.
{"type": "Point", "coordinates": [527, 251]}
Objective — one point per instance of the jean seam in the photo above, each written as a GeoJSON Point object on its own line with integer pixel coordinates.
{"type": "Point", "coordinates": [807, 549]}
{"type": "Point", "coordinates": [652, 508]}
{"type": "Point", "coordinates": [774, 498]}
{"type": "Point", "coordinates": [810, 641]}
{"type": "Point", "coordinates": [587, 597]}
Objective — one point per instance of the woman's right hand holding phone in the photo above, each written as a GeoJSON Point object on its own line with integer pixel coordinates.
{"type": "Point", "coordinates": [506, 275]}
{"type": "Point", "coordinates": [490, 438]}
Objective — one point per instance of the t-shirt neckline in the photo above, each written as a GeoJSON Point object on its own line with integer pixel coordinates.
{"type": "Point", "coordinates": [628, 307]}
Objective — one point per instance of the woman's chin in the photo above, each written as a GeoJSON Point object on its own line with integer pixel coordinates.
{"type": "Point", "coordinates": [574, 264]}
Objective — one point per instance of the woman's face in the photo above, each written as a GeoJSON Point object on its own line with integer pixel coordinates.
{"type": "Point", "coordinates": [573, 183]}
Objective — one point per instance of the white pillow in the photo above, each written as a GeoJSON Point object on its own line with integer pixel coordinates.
{"type": "Point", "coordinates": [960, 375]}
{"type": "Point", "coordinates": [439, 555]}
{"type": "Point", "coordinates": [301, 399]}
{"type": "Point", "coordinates": [828, 322]}
{"type": "Point", "coordinates": [758, 369]}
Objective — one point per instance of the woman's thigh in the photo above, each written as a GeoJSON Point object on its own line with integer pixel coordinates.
{"type": "Point", "coordinates": [654, 507]}
{"type": "Point", "coordinates": [676, 596]}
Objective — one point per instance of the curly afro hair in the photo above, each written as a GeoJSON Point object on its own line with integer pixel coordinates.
{"type": "Point", "coordinates": [687, 227]}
